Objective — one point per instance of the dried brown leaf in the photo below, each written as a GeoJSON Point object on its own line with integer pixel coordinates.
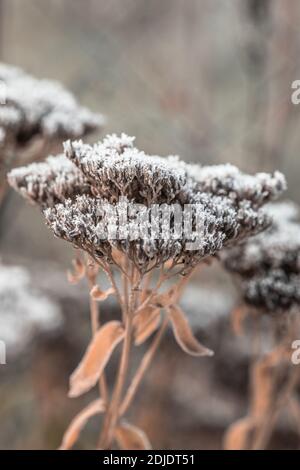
{"type": "Point", "coordinates": [145, 323]}
{"type": "Point", "coordinates": [130, 437]}
{"type": "Point", "coordinates": [183, 334]}
{"type": "Point", "coordinates": [72, 433]}
{"type": "Point", "coordinates": [95, 358]}
{"type": "Point", "coordinates": [100, 295]}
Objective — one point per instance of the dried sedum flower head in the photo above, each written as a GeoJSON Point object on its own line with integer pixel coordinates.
{"type": "Point", "coordinates": [276, 290]}
{"type": "Point", "coordinates": [23, 312]}
{"type": "Point", "coordinates": [114, 170]}
{"type": "Point", "coordinates": [228, 180]}
{"type": "Point", "coordinates": [269, 263]}
{"type": "Point", "coordinates": [49, 182]}
{"type": "Point", "coordinates": [42, 108]}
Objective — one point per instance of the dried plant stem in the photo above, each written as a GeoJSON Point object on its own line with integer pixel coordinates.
{"type": "Point", "coordinates": [95, 323]}
{"type": "Point", "coordinates": [268, 421]}
{"type": "Point", "coordinates": [144, 365]}
{"type": "Point", "coordinates": [148, 357]}
{"type": "Point", "coordinates": [129, 302]}
{"type": "Point", "coordinates": [265, 430]}
{"type": "Point", "coordinates": [112, 414]}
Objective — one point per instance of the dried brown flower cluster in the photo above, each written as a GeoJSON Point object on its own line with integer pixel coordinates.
{"type": "Point", "coordinates": [73, 189]}
{"type": "Point", "coordinates": [269, 263]}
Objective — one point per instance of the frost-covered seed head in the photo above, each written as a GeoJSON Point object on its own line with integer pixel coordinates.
{"type": "Point", "coordinates": [49, 182]}
{"type": "Point", "coordinates": [269, 263]}
{"type": "Point", "coordinates": [103, 173]}
{"type": "Point", "coordinates": [40, 108]}
{"type": "Point", "coordinates": [228, 180]}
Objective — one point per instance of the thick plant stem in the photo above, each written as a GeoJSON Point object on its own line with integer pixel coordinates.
{"type": "Point", "coordinates": [264, 433]}
{"type": "Point", "coordinates": [112, 414]}
{"type": "Point", "coordinates": [265, 430]}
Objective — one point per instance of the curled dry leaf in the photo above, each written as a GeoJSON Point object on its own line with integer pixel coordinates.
{"type": "Point", "coordinates": [183, 334]}
{"type": "Point", "coordinates": [240, 435]}
{"type": "Point", "coordinates": [95, 358]}
{"type": "Point", "coordinates": [145, 323]}
{"type": "Point", "coordinates": [78, 273]}
{"type": "Point", "coordinates": [98, 294]}
{"type": "Point", "coordinates": [72, 433]}
{"type": "Point", "coordinates": [130, 437]}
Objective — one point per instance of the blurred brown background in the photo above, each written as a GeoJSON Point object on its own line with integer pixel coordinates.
{"type": "Point", "coordinates": [207, 79]}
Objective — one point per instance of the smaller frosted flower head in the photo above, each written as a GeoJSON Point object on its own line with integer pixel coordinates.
{"type": "Point", "coordinates": [269, 263]}
{"type": "Point", "coordinates": [274, 291]}
{"type": "Point", "coordinates": [48, 182]}
{"type": "Point", "coordinates": [40, 108]}
{"type": "Point", "coordinates": [228, 180]}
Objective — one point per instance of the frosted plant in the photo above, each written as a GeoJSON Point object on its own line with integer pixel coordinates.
{"type": "Point", "coordinates": [268, 269]}
{"type": "Point", "coordinates": [85, 197]}
{"type": "Point", "coordinates": [35, 115]}
{"type": "Point", "coordinates": [23, 312]}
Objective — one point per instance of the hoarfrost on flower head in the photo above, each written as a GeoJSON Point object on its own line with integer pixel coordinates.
{"type": "Point", "coordinates": [115, 168]}
{"type": "Point", "coordinates": [229, 180]}
{"type": "Point", "coordinates": [269, 263]}
{"type": "Point", "coordinates": [228, 208]}
{"type": "Point", "coordinates": [42, 108]}
{"type": "Point", "coordinates": [48, 182]}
